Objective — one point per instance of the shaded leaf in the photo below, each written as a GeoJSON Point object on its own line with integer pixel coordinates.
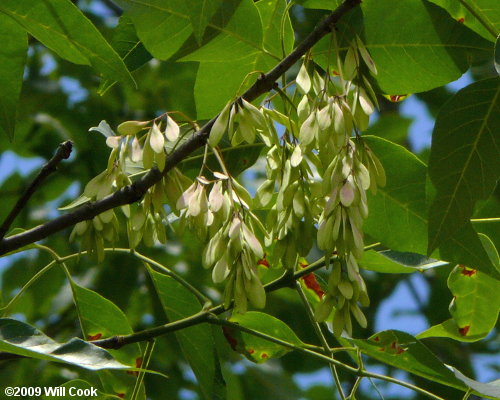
{"type": "Point", "coordinates": [12, 59]}
{"type": "Point", "coordinates": [197, 342]}
{"type": "Point", "coordinates": [200, 12]}
{"type": "Point", "coordinates": [464, 164]}
{"type": "Point", "coordinates": [405, 352]}
{"type": "Point", "coordinates": [156, 20]}
{"type": "Point", "coordinates": [129, 48]}
{"type": "Point", "coordinates": [394, 262]}
{"type": "Point", "coordinates": [19, 338]}
{"type": "Point", "coordinates": [99, 319]}
{"type": "Point", "coordinates": [256, 349]}
{"type": "Point", "coordinates": [398, 211]}
{"type": "Point", "coordinates": [62, 27]}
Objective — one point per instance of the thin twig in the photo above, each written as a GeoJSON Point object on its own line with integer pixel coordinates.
{"type": "Point", "coordinates": [321, 337]}
{"type": "Point", "coordinates": [63, 152]}
{"type": "Point", "coordinates": [135, 191]}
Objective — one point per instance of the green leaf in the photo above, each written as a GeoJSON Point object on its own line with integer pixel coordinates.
{"type": "Point", "coordinates": [411, 59]}
{"type": "Point", "coordinates": [19, 338]}
{"type": "Point", "coordinates": [200, 12]}
{"type": "Point", "coordinates": [449, 329]}
{"type": "Point", "coordinates": [62, 27]}
{"type": "Point", "coordinates": [227, 59]}
{"type": "Point", "coordinates": [397, 211]}
{"type": "Point", "coordinates": [197, 342]}
{"type": "Point", "coordinates": [464, 163]}
{"type": "Point", "coordinates": [254, 348]}
{"type": "Point", "coordinates": [485, 21]}
{"type": "Point", "coordinates": [405, 352]}
{"type": "Point", "coordinates": [473, 308]}
{"type": "Point", "coordinates": [393, 262]}
{"type": "Point", "coordinates": [237, 159]}
{"type": "Point", "coordinates": [272, 13]}
{"type": "Point", "coordinates": [162, 25]}
{"type": "Point", "coordinates": [75, 203]}
{"type": "Point", "coordinates": [129, 48]}
{"type": "Point", "coordinates": [12, 59]}
{"type": "Point", "coordinates": [98, 315]}
{"type": "Point", "coordinates": [249, 41]}
{"type": "Point", "coordinates": [100, 318]}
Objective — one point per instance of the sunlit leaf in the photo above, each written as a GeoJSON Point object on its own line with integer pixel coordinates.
{"type": "Point", "coordinates": [254, 348]}
{"type": "Point", "coordinates": [485, 18]}
{"type": "Point", "coordinates": [411, 59]}
{"type": "Point", "coordinates": [62, 27]}
{"type": "Point", "coordinates": [405, 352]}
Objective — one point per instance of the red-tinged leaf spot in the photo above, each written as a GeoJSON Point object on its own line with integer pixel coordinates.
{"type": "Point", "coordinates": [251, 351]}
{"type": "Point", "coordinates": [230, 339]}
{"type": "Point", "coordinates": [467, 271]}
{"type": "Point", "coordinates": [461, 20]}
{"type": "Point", "coordinates": [94, 337]}
{"type": "Point", "coordinates": [245, 161]}
{"type": "Point", "coordinates": [335, 73]}
{"type": "Point", "coordinates": [264, 355]}
{"type": "Point", "coordinates": [381, 349]}
{"type": "Point", "coordinates": [312, 283]}
{"type": "Point", "coordinates": [400, 350]}
{"type": "Point", "coordinates": [138, 364]}
{"type": "Point", "coordinates": [121, 395]}
{"type": "Point", "coordinates": [263, 261]}
{"type": "Point", "coordinates": [377, 339]}
{"type": "Point", "coordinates": [463, 331]}
{"type": "Point", "coordinates": [397, 97]}
{"type": "Point", "coordinates": [394, 345]}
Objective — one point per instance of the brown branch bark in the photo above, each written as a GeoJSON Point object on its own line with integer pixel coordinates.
{"type": "Point", "coordinates": [136, 191]}
{"type": "Point", "coordinates": [63, 152]}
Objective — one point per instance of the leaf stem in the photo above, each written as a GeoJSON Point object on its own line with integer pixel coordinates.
{"type": "Point", "coordinates": [321, 337]}
{"type": "Point", "coordinates": [361, 373]}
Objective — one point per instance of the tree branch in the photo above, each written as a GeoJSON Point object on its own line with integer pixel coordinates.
{"type": "Point", "coordinates": [136, 191]}
{"type": "Point", "coordinates": [63, 152]}
{"type": "Point", "coordinates": [116, 342]}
